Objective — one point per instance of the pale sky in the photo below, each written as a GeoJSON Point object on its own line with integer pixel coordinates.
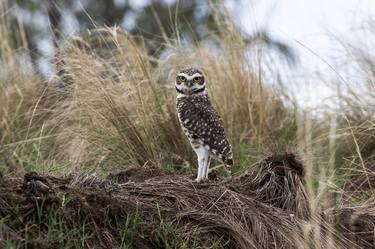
{"type": "Point", "coordinates": [315, 29]}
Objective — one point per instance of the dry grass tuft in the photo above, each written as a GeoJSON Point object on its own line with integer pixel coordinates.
{"type": "Point", "coordinates": [360, 179]}
{"type": "Point", "coordinates": [112, 113]}
{"type": "Point", "coordinates": [117, 109]}
{"type": "Point", "coordinates": [356, 223]}
{"type": "Point", "coordinates": [24, 105]}
{"type": "Point", "coordinates": [279, 181]}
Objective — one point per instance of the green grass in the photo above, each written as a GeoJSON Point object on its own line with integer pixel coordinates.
{"type": "Point", "coordinates": [42, 227]}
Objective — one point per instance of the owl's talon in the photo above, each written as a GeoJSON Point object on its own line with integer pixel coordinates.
{"type": "Point", "coordinates": [202, 180]}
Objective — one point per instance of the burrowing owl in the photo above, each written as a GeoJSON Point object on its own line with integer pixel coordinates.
{"type": "Point", "coordinates": [200, 122]}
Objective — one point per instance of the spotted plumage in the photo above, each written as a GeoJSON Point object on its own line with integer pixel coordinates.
{"type": "Point", "coordinates": [200, 122]}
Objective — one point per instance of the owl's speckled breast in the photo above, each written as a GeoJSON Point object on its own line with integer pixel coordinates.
{"type": "Point", "coordinates": [203, 126]}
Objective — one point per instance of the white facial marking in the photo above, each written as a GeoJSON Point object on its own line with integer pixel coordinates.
{"type": "Point", "coordinates": [189, 77]}
{"type": "Point", "coordinates": [188, 87]}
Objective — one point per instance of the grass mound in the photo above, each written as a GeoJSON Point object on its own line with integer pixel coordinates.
{"type": "Point", "coordinates": [161, 211]}
{"type": "Point", "coordinates": [279, 181]}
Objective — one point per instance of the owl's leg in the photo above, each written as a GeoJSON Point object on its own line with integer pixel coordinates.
{"type": "Point", "coordinates": [202, 155]}
{"type": "Point", "coordinates": [200, 169]}
{"type": "Point", "coordinates": [208, 161]}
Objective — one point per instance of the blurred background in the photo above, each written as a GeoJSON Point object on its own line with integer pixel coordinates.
{"type": "Point", "coordinates": [311, 59]}
{"type": "Point", "coordinates": [312, 37]}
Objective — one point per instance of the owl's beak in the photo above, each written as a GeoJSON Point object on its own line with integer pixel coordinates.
{"type": "Point", "coordinates": [189, 84]}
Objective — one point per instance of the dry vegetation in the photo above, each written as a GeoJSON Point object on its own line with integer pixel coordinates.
{"type": "Point", "coordinates": [110, 108]}
{"type": "Point", "coordinates": [172, 211]}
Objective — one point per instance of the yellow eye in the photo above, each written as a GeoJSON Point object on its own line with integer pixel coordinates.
{"type": "Point", "coordinates": [180, 79]}
{"type": "Point", "coordinates": [198, 80]}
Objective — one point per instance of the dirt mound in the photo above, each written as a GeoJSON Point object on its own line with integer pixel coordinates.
{"type": "Point", "coordinates": [278, 181]}
{"type": "Point", "coordinates": [204, 212]}
{"type": "Point", "coordinates": [137, 174]}
{"type": "Point", "coordinates": [160, 210]}
{"type": "Point", "coordinates": [141, 174]}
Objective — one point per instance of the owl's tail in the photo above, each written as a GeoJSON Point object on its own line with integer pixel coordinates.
{"type": "Point", "coordinates": [228, 162]}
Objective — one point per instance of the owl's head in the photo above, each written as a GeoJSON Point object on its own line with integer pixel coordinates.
{"type": "Point", "coordinates": [190, 81]}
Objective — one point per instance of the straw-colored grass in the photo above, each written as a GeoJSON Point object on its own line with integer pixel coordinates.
{"type": "Point", "coordinates": [118, 109]}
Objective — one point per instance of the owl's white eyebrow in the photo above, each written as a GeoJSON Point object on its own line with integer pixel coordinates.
{"type": "Point", "coordinates": [189, 77]}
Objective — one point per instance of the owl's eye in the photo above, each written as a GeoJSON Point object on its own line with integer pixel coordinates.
{"type": "Point", "coordinates": [180, 79]}
{"type": "Point", "coordinates": [198, 80]}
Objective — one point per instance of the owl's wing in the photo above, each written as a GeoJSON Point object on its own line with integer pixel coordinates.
{"type": "Point", "coordinates": [210, 129]}
{"type": "Point", "coordinates": [209, 116]}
